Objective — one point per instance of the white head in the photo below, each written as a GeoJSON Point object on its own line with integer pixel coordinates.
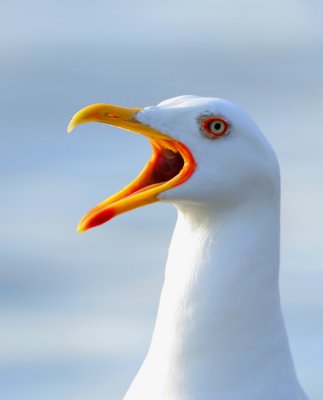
{"type": "Point", "coordinates": [231, 166]}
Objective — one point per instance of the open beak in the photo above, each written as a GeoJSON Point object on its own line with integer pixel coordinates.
{"type": "Point", "coordinates": [170, 164]}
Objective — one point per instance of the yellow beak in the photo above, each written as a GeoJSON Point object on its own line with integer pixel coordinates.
{"type": "Point", "coordinates": [170, 164]}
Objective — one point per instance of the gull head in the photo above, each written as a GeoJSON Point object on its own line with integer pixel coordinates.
{"type": "Point", "coordinates": [205, 151]}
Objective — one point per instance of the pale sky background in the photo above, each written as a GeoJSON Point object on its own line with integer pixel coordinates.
{"type": "Point", "coordinates": [77, 311]}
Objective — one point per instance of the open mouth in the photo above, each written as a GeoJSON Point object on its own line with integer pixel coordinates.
{"type": "Point", "coordinates": [163, 166]}
{"type": "Point", "coordinates": [170, 164]}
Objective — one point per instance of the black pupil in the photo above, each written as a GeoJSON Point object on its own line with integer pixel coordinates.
{"type": "Point", "coordinates": [217, 126]}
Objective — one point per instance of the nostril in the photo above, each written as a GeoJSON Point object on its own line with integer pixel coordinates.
{"type": "Point", "coordinates": [110, 115]}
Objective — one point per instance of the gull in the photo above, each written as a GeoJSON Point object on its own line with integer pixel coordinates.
{"type": "Point", "coordinates": [220, 332]}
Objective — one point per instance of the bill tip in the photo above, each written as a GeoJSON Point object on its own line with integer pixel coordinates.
{"type": "Point", "coordinates": [70, 127]}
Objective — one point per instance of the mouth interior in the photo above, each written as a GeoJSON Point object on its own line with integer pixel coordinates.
{"type": "Point", "coordinates": [167, 165]}
{"type": "Point", "coordinates": [164, 165]}
{"type": "Point", "coordinates": [170, 164]}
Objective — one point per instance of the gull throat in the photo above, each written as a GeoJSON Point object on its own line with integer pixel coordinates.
{"type": "Point", "coordinates": [219, 319]}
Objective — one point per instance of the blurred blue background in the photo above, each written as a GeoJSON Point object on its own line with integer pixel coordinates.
{"type": "Point", "coordinates": [77, 311]}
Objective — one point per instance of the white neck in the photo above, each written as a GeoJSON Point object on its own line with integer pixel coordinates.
{"type": "Point", "coordinates": [219, 332]}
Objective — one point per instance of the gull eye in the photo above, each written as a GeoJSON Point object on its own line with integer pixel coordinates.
{"type": "Point", "coordinates": [215, 127]}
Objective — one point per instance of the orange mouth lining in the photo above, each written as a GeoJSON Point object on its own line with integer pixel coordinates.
{"type": "Point", "coordinates": [170, 165]}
